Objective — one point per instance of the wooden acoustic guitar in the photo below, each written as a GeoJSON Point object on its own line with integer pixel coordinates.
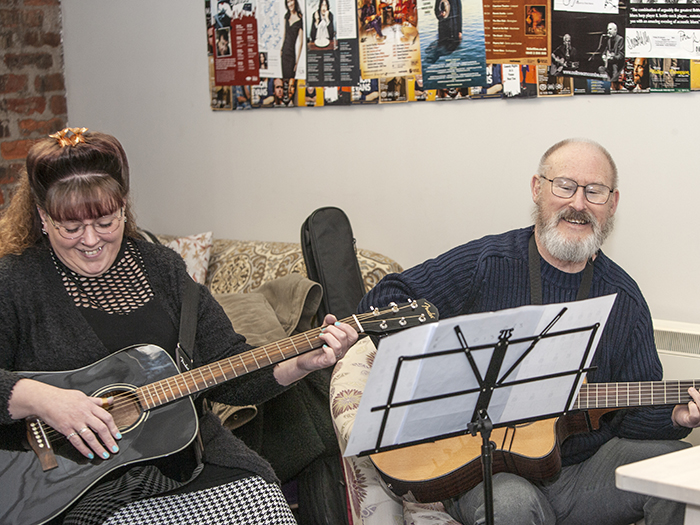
{"type": "Point", "coordinates": [42, 474]}
{"type": "Point", "coordinates": [446, 468]}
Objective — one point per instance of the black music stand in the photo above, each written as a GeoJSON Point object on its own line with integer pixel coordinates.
{"type": "Point", "coordinates": [499, 379]}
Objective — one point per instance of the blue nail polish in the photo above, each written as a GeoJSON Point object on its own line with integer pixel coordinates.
{"type": "Point", "coordinates": [105, 455]}
{"type": "Point", "coordinates": [119, 435]}
{"type": "Point", "coordinates": [326, 347]}
{"type": "Point", "coordinates": [91, 456]}
{"type": "Point", "coordinates": [115, 449]}
{"type": "Point", "coordinates": [337, 323]}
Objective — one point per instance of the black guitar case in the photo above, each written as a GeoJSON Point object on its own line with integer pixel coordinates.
{"type": "Point", "coordinates": [328, 246]}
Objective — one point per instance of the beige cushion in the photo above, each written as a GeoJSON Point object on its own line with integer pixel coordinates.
{"type": "Point", "coordinates": [196, 251]}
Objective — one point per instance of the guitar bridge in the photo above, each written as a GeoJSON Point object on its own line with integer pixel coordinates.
{"type": "Point", "coordinates": [40, 444]}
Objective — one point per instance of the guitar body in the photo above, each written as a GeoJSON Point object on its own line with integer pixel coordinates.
{"type": "Point", "coordinates": [446, 468]}
{"type": "Point", "coordinates": [33, 496]}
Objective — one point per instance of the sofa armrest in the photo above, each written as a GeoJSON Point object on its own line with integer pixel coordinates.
{"type": "Point", "coordinates": [371, 502]}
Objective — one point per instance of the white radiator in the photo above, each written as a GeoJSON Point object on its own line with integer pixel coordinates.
{"type": "Point", "coordinates": [679, 350]}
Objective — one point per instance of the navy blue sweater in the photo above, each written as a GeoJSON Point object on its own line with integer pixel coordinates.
{"type": "Point", "coordinates": [492, 273]}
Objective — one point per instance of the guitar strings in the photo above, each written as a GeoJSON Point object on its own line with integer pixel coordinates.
{"type": "Point", "coordinates": [287, 349]}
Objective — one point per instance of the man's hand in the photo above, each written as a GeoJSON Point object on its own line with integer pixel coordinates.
{"type": "Point", "coordinates": [688, 415]}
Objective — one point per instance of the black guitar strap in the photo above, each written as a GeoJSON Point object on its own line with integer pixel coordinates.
{"type": "Point", "coordinates": [185, 347]}
{"type": "Point", "coordinates": [188, 326]}
{"type": "Point", "coordinates": [536, 276]}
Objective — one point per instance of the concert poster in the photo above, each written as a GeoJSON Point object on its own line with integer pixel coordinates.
{"type": "Point", "coordinates": [393, 89]}
{"type": "Point", "coordinates": [695, 75]}
{"type": "Point", "coordinates": [235, 48]}
{"type": "Point", "coordinates": [493, 88]}
{"type": "Point", "coordinates": [634, 77]}
{"type": "Point", "coordinates": [591, 86]}
{"type": "Point", "coordinates": [669, 75]}
{"type": "Point", "coordinates": [366, 92]}
{"type": "Point", "coordinates": [589, 45]}
{"type": "Point", "coordinates": [281, 50]}
{"type": "Point", "coordinates": [519, 80]}
{"type": "Point", "coordinates": [273, 93]}
{"type": "Point", "coordinates": [309, 96]}
{"type": "Point", "coordinates": [453, 53]}
{"type": "Point", "coordinates": [450, 94]}
{"type": "Point", "coordinates": [337, 96]}
{"type": "Point", "coordinates": [220, 95]}
{"type": "Point", "coordinates": [418, 93]}
{"type": "Point", "coordinates": [332, 57]}
{"type": "Point", "coordinates": [517, 31]}
{"type": "Point", "coordinates": [553, 86]}
{"type": "Point", "coordinates": [389, 44]}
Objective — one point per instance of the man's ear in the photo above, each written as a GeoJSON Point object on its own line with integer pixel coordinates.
{"type": "Point", "coordinates": [615, 198]}
{"type": "Point", "coordinates": [535, 186]}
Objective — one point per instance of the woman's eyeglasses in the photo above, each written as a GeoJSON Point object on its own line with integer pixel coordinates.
{"type": "Point", "coordinates": [102, 226]}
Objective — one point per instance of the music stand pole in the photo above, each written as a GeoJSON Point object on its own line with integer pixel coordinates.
{"type": "Point", "coordinates": [483, 425]}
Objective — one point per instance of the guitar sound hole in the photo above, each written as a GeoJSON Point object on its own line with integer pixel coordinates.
{"type": "Point", "coordinates": [125, 408]}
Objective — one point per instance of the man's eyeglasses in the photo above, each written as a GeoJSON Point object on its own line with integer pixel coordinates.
{"type": "Point", "coordinates": [102, 226]}
{"type": "Point", "coordinates": [566, 188]}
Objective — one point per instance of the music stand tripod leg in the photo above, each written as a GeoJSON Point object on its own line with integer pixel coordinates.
{"type": "Point", "coordinates": [484, 426]}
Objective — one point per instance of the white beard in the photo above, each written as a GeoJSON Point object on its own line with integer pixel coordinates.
{"type": "Point", "coordinates": [570, 250]}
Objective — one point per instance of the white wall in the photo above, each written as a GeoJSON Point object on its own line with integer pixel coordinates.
{"type": "Point", "coordinates": [415, 179]}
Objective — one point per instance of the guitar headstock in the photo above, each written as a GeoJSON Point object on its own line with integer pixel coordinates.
{"type": "Point", "coordinates": [397, 317]}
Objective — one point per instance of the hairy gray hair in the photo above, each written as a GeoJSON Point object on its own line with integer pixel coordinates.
{"type": "Point", "coordinates": [544, 165]}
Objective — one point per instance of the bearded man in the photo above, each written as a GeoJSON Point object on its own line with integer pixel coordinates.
{"type": "Point", "coordinates": [557, 260]}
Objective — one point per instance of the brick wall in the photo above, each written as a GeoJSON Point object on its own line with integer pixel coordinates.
{"type": "Point", "coordinates": [32, 87]}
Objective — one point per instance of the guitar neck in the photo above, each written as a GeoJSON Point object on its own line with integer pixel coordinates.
{"type": "Point", "coordinates": [211, 375]}
{"type": "Point", "coordinates": [392, 318]}
{"type": "Point", "coordinates": [644, 393]}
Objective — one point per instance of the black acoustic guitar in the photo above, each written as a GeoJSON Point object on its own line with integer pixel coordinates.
{"type": "Point", "coordinates": [41, 473]}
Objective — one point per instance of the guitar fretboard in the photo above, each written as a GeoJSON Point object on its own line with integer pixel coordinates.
{"type": "Point", "coordinates": [392, 318]}
{"type": "Point", "coordinates": [202, 378]}
{"type": "Point", "coordinates": [644, 393]}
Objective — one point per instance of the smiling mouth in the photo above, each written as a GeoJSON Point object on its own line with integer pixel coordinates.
{"type": "Point", "coordinates": [92, 252]}
{"type": "Point", "coordinates": [577, 218]}
{"type": "Point", "coordinates": [577, 221]}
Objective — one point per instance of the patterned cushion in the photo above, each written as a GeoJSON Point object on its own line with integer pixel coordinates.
{"type": "Point", "coordinates": [196, 251]}
{"type": "Point", "coordinates": [242, 266]}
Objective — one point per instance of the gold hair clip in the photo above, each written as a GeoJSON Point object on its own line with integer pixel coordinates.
{"type": "Point", "coordinates": [69, 136]}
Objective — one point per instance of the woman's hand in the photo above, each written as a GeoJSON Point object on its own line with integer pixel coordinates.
{"type": "Point", "coordinates": [82, 419]}
{"type": "Point", "coordinates": [338, 338]}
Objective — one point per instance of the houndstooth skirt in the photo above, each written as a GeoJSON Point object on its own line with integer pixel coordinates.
{"type": "Point", "coordinates": [245, 501]}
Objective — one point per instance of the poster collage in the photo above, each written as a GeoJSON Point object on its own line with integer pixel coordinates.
{"type": "Point", "coordinates": [313, 53]}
